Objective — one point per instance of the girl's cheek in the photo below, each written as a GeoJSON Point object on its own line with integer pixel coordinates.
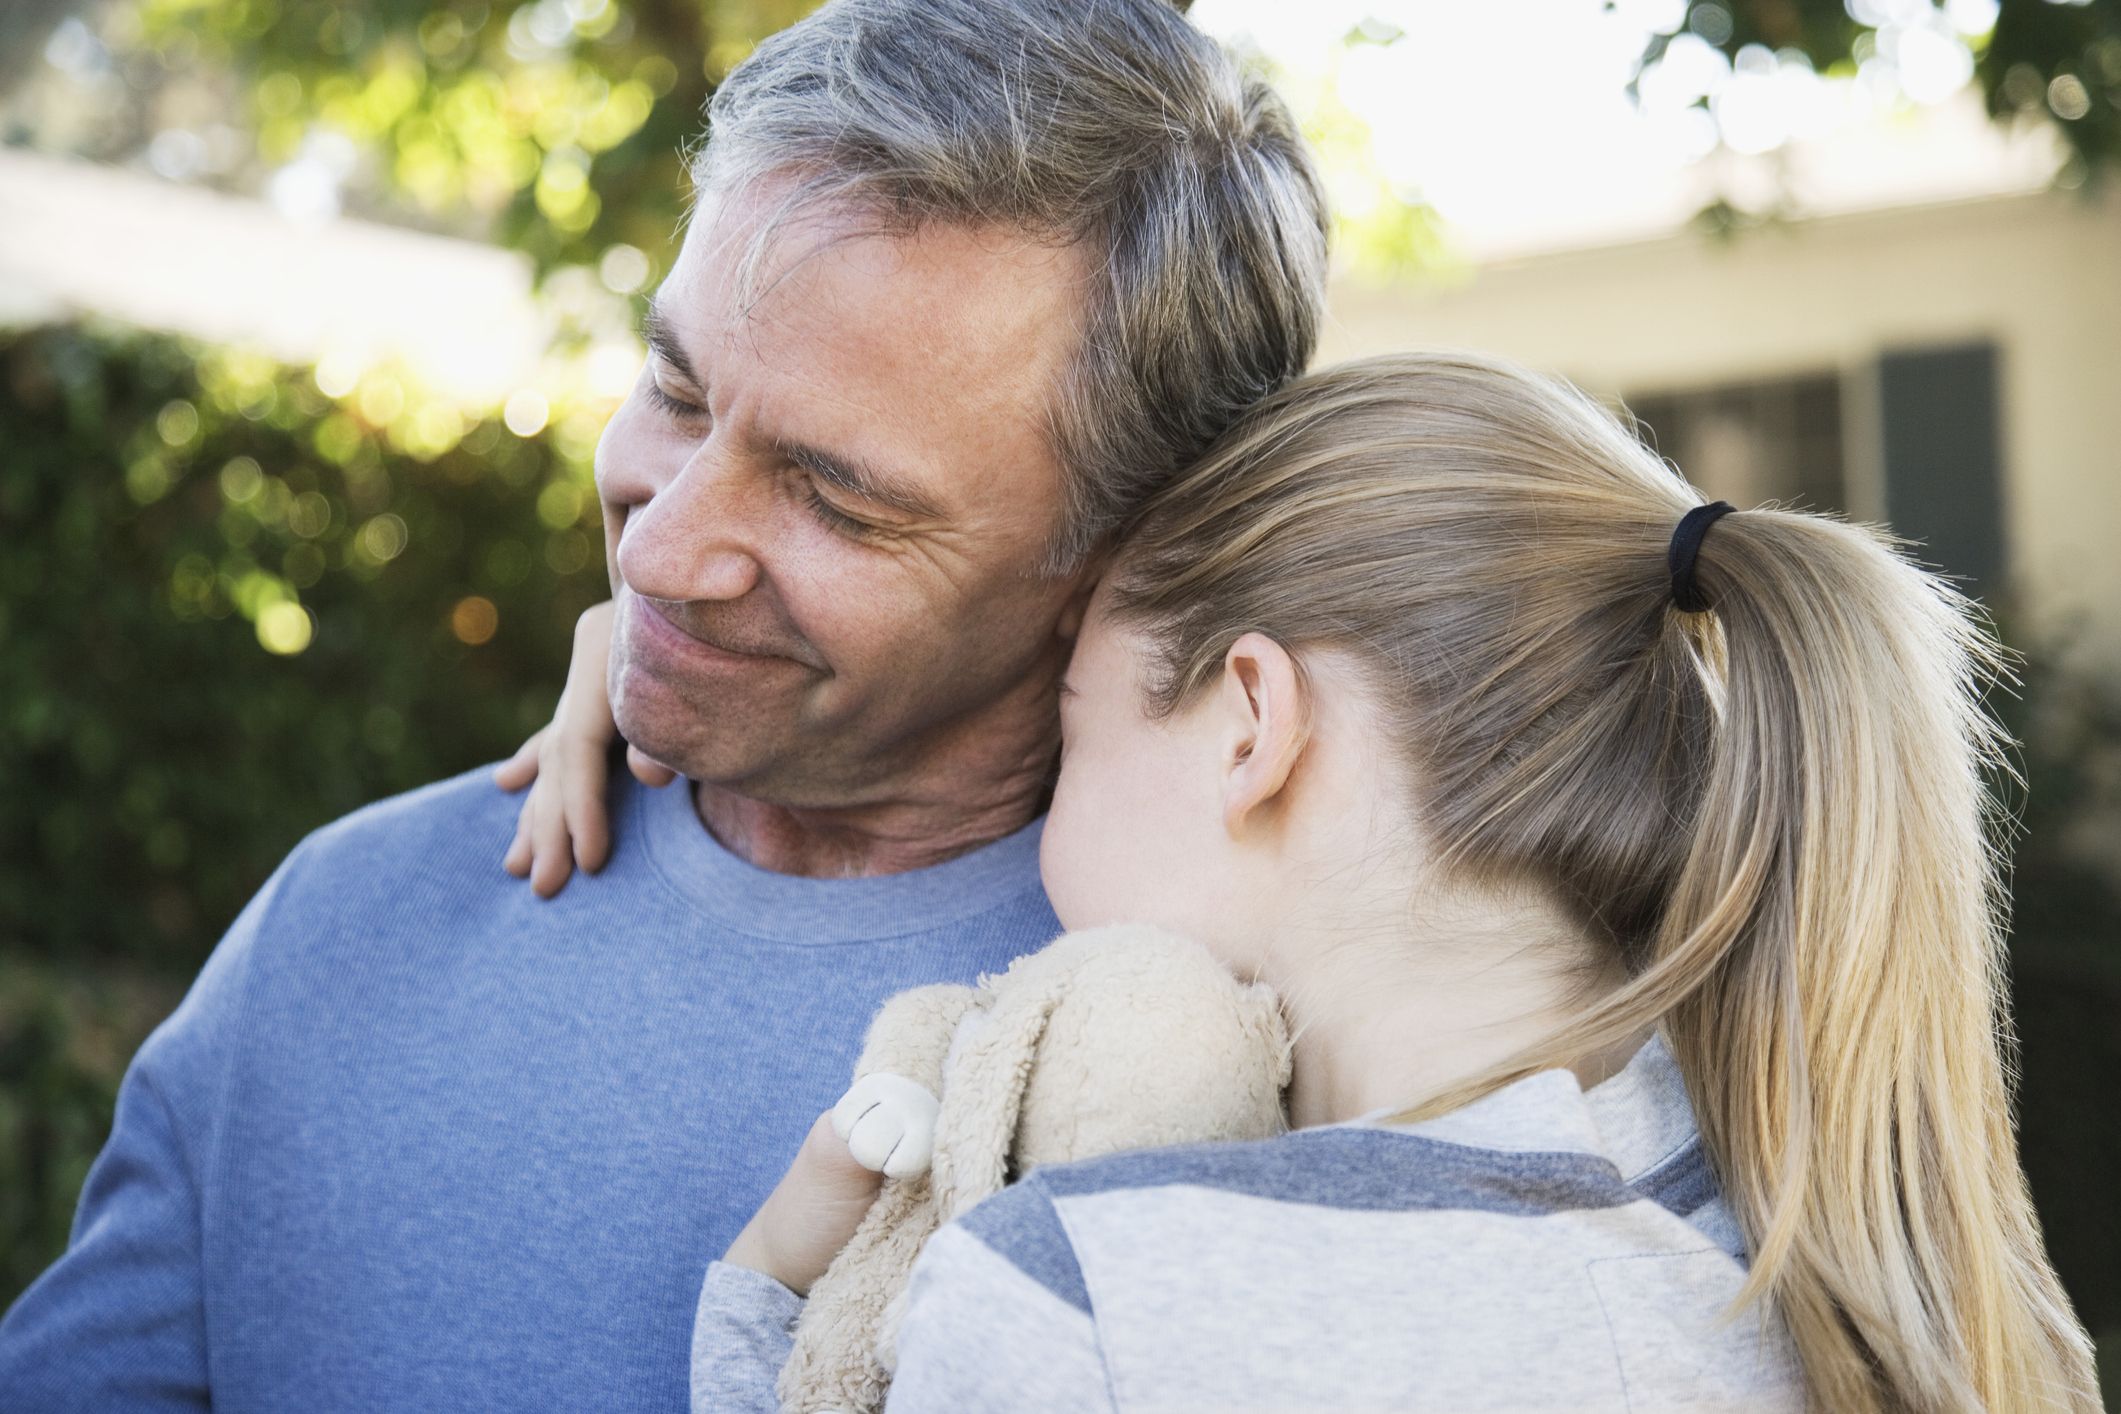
{"type": "Point", "coordinates": [1089, 851]}
{"type": "Point", "coordinates": [1068, 839]}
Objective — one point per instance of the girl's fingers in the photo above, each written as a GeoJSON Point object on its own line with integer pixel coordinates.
{"type": "Point", "coordinates": [646, 770]}
{"type": "Point", "coordinates": [555, 856]}
{"type": "Point", "coordinates": [548, 822]}
{"type": "Point", "coordinates": [517, 860]}
{"type": "Point", "coordinates": [584, 813]}
{"type": "Point", "coordinates": [520, 769]}
{"type": "Point", "coordinates": [562, 819]}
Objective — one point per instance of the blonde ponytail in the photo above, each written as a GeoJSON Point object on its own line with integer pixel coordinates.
{"type": "Point", "coordinates": [1845, 1048]}
{"type": "Point", "coordinates": [1775, 809]}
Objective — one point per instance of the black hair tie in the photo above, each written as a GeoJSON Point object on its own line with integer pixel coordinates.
{"type": "Point", "coordinates": [1686, 544]}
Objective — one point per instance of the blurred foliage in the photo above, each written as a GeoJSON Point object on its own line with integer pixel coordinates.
{"type": "Point", "coordinates": [246, 609]}
{"type": "Point", "coordinates": [66, 1034]}
{"type": "Point", "coordinates": [556, 127]}
{"type": "Point", "coordinates": [2049, 61]}
{"type": "Point", "coordinates": [2065, 971]}
{"type": "Point", "coordinates": [23, 27]}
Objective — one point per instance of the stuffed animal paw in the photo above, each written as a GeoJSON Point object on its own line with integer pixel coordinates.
{"type": "Point", "coordinates": [888, 1122]}
{"type": "Point", "coordinates": [1119, 1038]}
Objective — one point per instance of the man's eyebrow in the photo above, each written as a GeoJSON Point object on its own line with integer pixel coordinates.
{"type": "Point", "coordinates": [663, 339]}
{"type": "Point", "coordinates": [861, 478]}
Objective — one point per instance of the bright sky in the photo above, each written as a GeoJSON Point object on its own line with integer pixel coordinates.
{"type": "Point", "coordinates": [1511, 117]}
{"type": "Point", "coordinates": [1463, 110]}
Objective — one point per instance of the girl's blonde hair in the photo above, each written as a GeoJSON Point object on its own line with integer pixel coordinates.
{"type": "Point", "coordinates": [1775, 809]}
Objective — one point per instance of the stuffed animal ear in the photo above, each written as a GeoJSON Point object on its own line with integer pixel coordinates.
{"type": "Point", "coordinates": [983, 1089]}
{"type": "Point", "coordinates": [911, 1033]}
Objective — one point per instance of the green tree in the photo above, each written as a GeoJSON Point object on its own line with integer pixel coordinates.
{"type": "Point", "coordinates": [556, 127]}
{"type": "Point", "coordinates": [2055, 62]}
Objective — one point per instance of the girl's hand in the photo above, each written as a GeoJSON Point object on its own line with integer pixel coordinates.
{"type": "Point", "coordinates": [563, 820]}
{"type": "Point", "coordinates": [810, 1215]}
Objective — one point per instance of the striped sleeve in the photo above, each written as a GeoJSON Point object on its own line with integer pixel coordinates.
{"type": "Point", "coordinates": [997, 1317]}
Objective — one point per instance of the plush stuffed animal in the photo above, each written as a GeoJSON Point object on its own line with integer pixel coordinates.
{"type": "Point", "coordinates": [1116, 1038]}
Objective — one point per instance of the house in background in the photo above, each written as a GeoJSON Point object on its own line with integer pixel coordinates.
{"type": "Point", "coordinates": [1934, 343]}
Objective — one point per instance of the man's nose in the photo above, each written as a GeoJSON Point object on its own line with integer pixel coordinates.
{"type": "Point", "coordinates": [695, 536]}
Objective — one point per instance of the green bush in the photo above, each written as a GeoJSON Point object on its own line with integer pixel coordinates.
{"type": "Point", "coordinates": [165, 524]}
{"type": "Point", "coordinates": [165, 512]}
{"type": "Point", "coordinates": [2066, 978]}
{"type": "Point", "coordinates": [66, 1033]}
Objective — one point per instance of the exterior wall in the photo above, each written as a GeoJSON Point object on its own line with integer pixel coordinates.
{"type": "Point", "coordinates": [2038, 274]}
{"type": "Point", "coordinates": [77, 237]}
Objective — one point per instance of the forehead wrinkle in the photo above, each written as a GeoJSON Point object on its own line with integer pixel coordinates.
{"type": "Point", "coordinates": [785, 244]}
{"type": "Point", "coordinates": [791, 345]}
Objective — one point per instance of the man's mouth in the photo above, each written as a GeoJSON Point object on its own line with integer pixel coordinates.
{"type": "Point", "coordinates": [666, 624]}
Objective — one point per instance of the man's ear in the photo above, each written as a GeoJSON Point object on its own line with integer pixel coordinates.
{"type": "Point", "coordinates": [1069, 626]}
{"type": "Point", "coordinates": [1265, 710]}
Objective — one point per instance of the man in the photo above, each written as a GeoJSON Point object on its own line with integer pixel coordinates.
{"type": "Point", "coordinates": [966, 280]}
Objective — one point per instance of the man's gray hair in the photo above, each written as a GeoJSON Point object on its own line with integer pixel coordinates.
{"type": "Point", "coordinates": [1110, 125]}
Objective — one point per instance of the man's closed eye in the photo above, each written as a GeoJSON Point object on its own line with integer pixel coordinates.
{"type": "Point", "coordinates": [674, 406]}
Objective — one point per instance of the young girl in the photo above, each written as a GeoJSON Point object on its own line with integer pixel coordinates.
{"type": "Point", "coordinates": [1620, 864]}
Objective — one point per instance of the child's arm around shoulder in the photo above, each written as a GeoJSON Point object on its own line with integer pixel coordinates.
{"type": "Point", "coordinates": [563, 821]}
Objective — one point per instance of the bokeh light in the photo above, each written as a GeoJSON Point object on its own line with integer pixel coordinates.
{"type": "Point", "coordinates": [623, 269]}
{"type": "Point", "coordinates": [474, 620]}
{"type": "Point", "coordinates": [526, 412]}
{"type": "Point", "coordinates": [285, 628]}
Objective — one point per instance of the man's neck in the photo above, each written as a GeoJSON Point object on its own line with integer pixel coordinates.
{"type": "Point", "coordinates": [986, 780]}
{"type": "Point", "coordinates": [854, 843]}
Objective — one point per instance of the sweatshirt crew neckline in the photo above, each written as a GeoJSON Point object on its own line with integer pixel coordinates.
{"type": "Point", "coordinates": [794, 908]}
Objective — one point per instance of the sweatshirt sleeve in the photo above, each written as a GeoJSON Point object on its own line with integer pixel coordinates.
{"type": "Point", "coordinates": [741, 1336]}
{"type": "Point", "coordinates": [118, 1322]}
{"type": "Point", "coordinates": [997, 1317]}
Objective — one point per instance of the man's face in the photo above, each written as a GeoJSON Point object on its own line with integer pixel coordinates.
{"type": "Point", "coordinates": [823, 513]}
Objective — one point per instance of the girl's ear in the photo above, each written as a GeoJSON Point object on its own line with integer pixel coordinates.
{"type": "Point", "coordinates": [1266, 723]}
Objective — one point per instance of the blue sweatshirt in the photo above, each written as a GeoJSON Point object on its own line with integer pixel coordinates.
{"type": "Point", "coordinates": [418, 1140]}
